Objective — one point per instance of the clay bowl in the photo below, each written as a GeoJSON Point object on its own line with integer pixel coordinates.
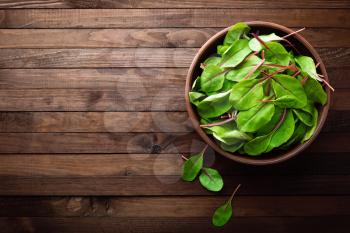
{"type": "Point", "coordinates": [209, 48]}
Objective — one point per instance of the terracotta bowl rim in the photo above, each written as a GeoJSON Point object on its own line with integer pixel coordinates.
{"type": "Point", "coordinates": [246, 159]}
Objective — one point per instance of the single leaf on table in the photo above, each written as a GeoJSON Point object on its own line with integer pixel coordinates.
{"type": "Point", "coordinates": [311, 130]}
{"type": "Point", "coordinates": [307, 65]}
{"type": "Point", "coordinates": [214, 105]}
{"type": "Point", "coordinates": [196, 97]}
{"type": "Point", "coordinates": [236, 32]}
{"type": "Point", "coordinates": [283, 132]}
{"type": "Point", "coordinates": [245, 94]}
{"type": "Point", "coordinates": [289, 92]}
{"type": "Point", "coordinates": [193, 166]}
{"type": "Point", "coordinates": [241, 71]}
{"type": "Point", "coordinates": [305, 115]}
{"type": "Point", "coordinates": [235, 54]}
{"type": "Point", "coordinates": [256, 117]}
{"type": "Point", "coordinates": [315, 91]}
{"type": "Point", "coordinates": [212, 78]}
{"type": "Point", "coordinates": [224, 213]}
{"type": "Point", "coordinates": [211, 179]}
{"type": "Point", "coordinates": [255, 45]}
{"type": "Point", "coordinates": [277, 54]}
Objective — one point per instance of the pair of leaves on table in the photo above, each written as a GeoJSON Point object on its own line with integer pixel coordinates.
{"type": "Point", "coordinates": [209, 177]}
{"type": "Point", "coordinates": [211, 180]}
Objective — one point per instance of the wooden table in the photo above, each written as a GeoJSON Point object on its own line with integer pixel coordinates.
{"type": "Point", "coordinates": [93, 119]}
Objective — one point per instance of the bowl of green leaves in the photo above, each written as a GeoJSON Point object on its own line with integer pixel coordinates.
{"type": "Point", "coordinates": [258, 93]}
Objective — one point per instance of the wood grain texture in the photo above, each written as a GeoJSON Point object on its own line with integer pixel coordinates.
{"type": "Point", "coordinates": [173, 4]}
{"type": "Point", "coordinates": [156, 37]}
{"type": "Point", "coordinates": [128, 99]}
{"type": "Point", "coordinates": [156, 207]}
{"type": "Point", "coordinates": [117, 78]}
{"type": "Point", "coordinates": [160, 18]}
{"type": "Point", "coordinates": [122, 122]}
{"type": "Point", "coordinates": [105, 165]}
{"type": "Point", "coordinates": [133, 143]}
{"type": "Point", "coordinates": [173, 185]}
{"type": "Point", "coordinates": [127, 57]}
{"type": "Point", "coordinates": [334, 224]}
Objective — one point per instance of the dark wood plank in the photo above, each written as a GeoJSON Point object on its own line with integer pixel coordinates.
{"type": "Point", "coordinates": [93, 122]}
{"type": "Point", "coordinates": [156, 225]}
{"type": "Point", "coordinates": [113, 78]}
{"type": "Point", "coordinates": [173, 185]}
{"type": "Point", "coordinates": [107, 122]}
{"type": "Point", "coordinates": [132, 143]}
{"type": "Point", "coordinates": [174, 4]}
{"type": "Point", "coordinates": [334, 224]}
{"type": "Point", "coordinates": [156, 207]}
{"type": "Point", "coordinates": [104, 165]}
{"type": "Point", "coordinates": [127, 99]}
{"type": "Point", "coordinates": [160, 37]}
{"type": "Point", "coordinates": [156, 18]}
{"type": "Point", "coordinates": [127, 57]}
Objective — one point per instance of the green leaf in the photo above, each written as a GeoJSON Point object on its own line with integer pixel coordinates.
{"type": "Point", "coordinates": [299, 132]}
{"type": "Point", "coordinates": [221, 49]}
{"type": "Point", "coordinates": [307, 65]}
{"type": "Point", "coordinates": [235, 32]}
{"type": "Point", "coordinates": [283, 133]}
{"type": "Point", "coordinates": [232, 147]}
{"type": "Point", "coordinates": [235, 54]}
{"type": "Point", "coordinates": [211, 179]}
{"type": "Point", "coordinates": [253, 119]}
{"type": "Point", "coordinates": [212, 78]}
{"type": "Point", "coordinates": [305, 115]}
{"type": "Point", "coordinates": [214, 105]}
{"type": "Point", "coordinates": [224, 213]}
{"type": "Point", "coordinates": [255, 45]}
{"type": "Point", "coordinates": [289, 92]}
{"type": "Point", "coordinates": [192, 167]}
{"type": "Point", "coordinates": [258, 145]}
{"type": "Point", "coordinates": [272, 123]}
{"type": "Point", "coordinates": [228, 84]}
{"type": "Point", "coordinates": [213, 60]}
{"type": "Point", "coordinates": [277, 54]}
{"type": "Point", "coordinates": [315, 91]}
{"type": "Point", "coordinates": [196, 84]}
{"type": "Point", "coordinates": [241, 72]}
{"type": "Point", "coordinates": [311, 130]}
{"type": "Point", "coordinates": [196, 97]}
{"type": "Point", "coordinates": [246, 94]}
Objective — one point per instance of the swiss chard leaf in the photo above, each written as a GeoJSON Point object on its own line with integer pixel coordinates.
{"type": "Point", "coordinates": [305, 115]}
{"type": "Point", "coordinates": [289, 92]}
{"type": "Point", "coordinates": [192, 167]}
{"type": "Point", "coordinates": [310, 131]}
{"type": "Point", "coordinates": [236, 32]}
{"type": "Point", "coordinates": [211, 179]}
{"type": "Point", "coordinates": [307, 65]}
{"type": "Point", "coordinates": [212, 78]}
{"type": "Point", "coordinates": [298, 134]}
{"type": "Point", "coordinates": [255, 45]}
{"type": "Point", "coordinates": [242, 71]}
{"type": "Point", "coordinates": [315, 92]}
{"type": "Point", "coordinates": [235, 54]}
{"type": "Point", "coordinates": [196, 97]}
{"type": "Point", "coordinates": [214, 105]}
{"type": "Point", "coordinates": [246, 94]}
{"type": "Point", "coordinates": [277, 54]}
{"type": "Point", "coordinates": [213, 60]}
{"type": "Point", "coordinates": [256, 117]}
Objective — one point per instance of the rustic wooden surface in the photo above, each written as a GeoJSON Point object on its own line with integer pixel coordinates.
{"type": "Point", "coordinates": [92, 119]}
